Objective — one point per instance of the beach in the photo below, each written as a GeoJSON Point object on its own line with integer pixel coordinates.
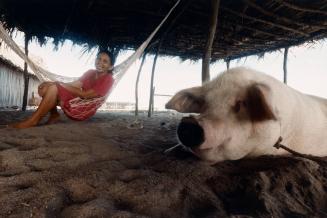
{"type": "Point", "coordinates": [107, 167]}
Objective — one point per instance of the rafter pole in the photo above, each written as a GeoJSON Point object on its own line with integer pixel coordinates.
{"type": "Point", "coordinates": [26, 76]}
{"type": "Point", "coordinates": [298, 8]}
{"type": "Point", "coordinates": [208, 49]}
{"type": "Point", "coordinates": [277, 17]}
{"type": "Point", "coordinates": [242, 15]}
{"type": "Point", "coordinates": [285, 64]}
{"type": "Point", "coordinates": [262, 32]}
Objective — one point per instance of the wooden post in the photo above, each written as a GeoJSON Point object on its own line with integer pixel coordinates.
{"type": "Point", "coordinates": [137, 86]}
{"type": "Point", "coordinates": [152, 78]}
{"type": "Point", "coordinates": [157, 53]}
{"type": "Point", "coordinates": [285, 65]}
{"type": "Point", "coordinates": [208, 49]}
{"type": "Point", "coordinates": [152, 103]}
{"type": "Point", "coordinates": [227, 64]}
{"type": "Point", "coordinates": [26, 76]}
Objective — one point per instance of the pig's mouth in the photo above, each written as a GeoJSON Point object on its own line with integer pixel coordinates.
{"type": "Point", "coordinates": [199, 149]}
{"type": "Point", "coordinates": [206, 149]}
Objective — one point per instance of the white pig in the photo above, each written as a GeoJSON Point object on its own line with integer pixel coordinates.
{"type": "Point", "coordinates": [242, 113]}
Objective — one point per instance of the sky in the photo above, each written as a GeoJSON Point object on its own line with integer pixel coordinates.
{"type": "Point", "coordinates": [307, 69]}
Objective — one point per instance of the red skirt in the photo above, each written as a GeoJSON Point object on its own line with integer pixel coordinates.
{"type": "Point", "coordinates": [77, 108]}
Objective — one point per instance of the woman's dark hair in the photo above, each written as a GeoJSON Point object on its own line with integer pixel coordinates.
{"type": "Point", "coordinates": [110, 55]}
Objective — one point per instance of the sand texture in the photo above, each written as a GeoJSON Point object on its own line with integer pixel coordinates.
{"type": "Point", "coordinates": [101, 168]}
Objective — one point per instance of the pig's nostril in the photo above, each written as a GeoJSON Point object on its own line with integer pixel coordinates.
{"type": "Point", "coordinates": [190, 133]}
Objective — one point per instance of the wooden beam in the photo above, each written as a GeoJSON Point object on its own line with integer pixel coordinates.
{"type": "Point", "coordinates": [242, 15]}
{"type": "Point", "coordinates": [208, 49]}
{"type": "Point", "coordinates": [263, 32]}
{"type": "Point", "coordinates": [227, 27]}
{"type": "Point", "coordinates": [285, 64]}
{"type": "Point", "coordinates": [281, 18]}
{"type": "Point", "coordinates": [137, 86]}
{"type": "Point", "coordinates": [298, 8]}
{"type": "Point", "coordinates": [26, 76]}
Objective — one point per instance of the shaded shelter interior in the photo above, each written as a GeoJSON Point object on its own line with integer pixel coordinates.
{"type": "Point", "coordinates": [245, 27]}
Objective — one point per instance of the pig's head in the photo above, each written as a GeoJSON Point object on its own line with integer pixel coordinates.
{"type": "Point", "coordinates": [237, 116]}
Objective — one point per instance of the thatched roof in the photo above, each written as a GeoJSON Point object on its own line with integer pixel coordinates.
{"type": "Point", "coordinates": [245, 27]}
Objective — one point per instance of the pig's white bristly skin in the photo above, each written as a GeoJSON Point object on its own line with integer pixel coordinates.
{"type": "Point", "coordinates": [300, 119]}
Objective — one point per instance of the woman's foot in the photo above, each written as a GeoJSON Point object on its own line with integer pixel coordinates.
{"type": "Point", "coordinates": [24, 124]}
{"type": "Point", "coordinates": [54, 117]}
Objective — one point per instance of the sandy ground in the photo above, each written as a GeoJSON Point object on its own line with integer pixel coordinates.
{"type": "Point", "coordinates": [101, 168]}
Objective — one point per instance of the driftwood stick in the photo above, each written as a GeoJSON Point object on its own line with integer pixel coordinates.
{"type": "Point", "coordinates": [316, 159]}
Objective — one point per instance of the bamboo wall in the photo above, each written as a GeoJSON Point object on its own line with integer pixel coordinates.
{"type": "Point", "coordinates": [12, 86]}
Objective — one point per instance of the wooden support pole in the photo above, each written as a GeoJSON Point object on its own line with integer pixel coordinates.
{"type": "Point", "coordinates": [208, 49]}
{"type": "Point", "coordinates": [150, 109]}
{"type": "Point", "coordinates": [285, 64]}
{"type": "Point", "coordinates": [152, 99]}
{"type": "Point", "coordinates": [152, 79]}
{"type": "Point", "coordinates": [227, 64]}
{"type": "Point", "coordinates": [137, 86]}
{"type": "Point", "coordinates": [26, 76]}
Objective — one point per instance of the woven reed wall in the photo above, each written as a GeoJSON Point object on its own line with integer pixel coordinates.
{"type": "Point", "coordinates": [12, 86]}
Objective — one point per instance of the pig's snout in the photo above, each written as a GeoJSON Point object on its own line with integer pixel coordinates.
{"type": "Point", "coordinates": [190, 133]}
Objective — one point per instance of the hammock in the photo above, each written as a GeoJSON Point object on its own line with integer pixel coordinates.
{"type": "Point", "coordinates": [82, 105]}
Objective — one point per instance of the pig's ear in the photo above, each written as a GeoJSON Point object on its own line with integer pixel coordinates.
{"type": "Point", "coordinates": [188, 101]}
{"type": "Point", "coordinates": [257, 103]}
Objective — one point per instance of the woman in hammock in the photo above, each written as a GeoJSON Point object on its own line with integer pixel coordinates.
{"type": "Point", "coordinates": [93, 84]}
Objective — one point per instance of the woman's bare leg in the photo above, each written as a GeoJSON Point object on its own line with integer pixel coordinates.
{"type": "Point", "coordinates": [54, 116]}
{"type": "Point", "coordinates": [49, 101]}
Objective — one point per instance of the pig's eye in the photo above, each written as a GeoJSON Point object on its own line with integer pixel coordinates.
{"type": "Point", "coordinates": [237, 106]}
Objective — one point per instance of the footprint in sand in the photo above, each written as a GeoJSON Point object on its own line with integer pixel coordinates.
{"type": "Point", "coordinates": [24, 143]}
{"type": "Point", "coordinates": [5, 146]}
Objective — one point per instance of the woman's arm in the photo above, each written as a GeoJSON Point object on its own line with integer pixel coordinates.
{"type": "Point", "coordinates": [79, 92]}
{"type": "Point", "coordinates": [77, 84]}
